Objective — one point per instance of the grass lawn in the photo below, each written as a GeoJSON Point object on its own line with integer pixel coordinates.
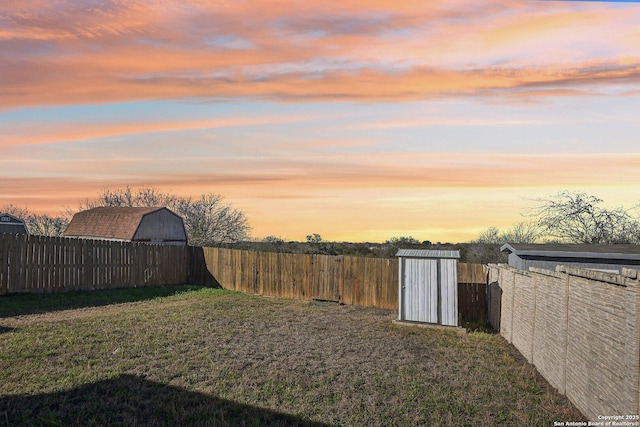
{"type": "Point", "coordinates": [197, 356]}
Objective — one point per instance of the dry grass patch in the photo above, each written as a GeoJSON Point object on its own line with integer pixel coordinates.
{"type": "Point", "coordinates": [215, 357]}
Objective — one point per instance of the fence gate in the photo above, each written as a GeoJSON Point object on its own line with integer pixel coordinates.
{"type": "Point", "coordinates": [428, 286]}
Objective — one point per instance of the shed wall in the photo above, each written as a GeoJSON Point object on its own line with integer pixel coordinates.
{"type": "Point", "coordinates": [420, 290]}
{"type": "Point", "coordinates": [11, 224]}
{"type": "Point", "coordinates": [448, 292]}
{"type": "Point", "coordinates": [17, 228]}
{"type": "Point", "coordinates": [548, 263]}
{"type": "Point", "coordinates": [428, 290]}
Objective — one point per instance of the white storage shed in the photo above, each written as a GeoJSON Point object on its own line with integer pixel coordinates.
{"type": "Point", "coordinates": [428, 286]}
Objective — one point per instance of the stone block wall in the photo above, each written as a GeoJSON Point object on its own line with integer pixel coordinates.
{"type": "Point", "coordinates": [580, 328]}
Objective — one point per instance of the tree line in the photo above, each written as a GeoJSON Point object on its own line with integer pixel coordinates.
{"type": "Point", "coordinates": [571, 217]}
{"type": "Point", "coordinates": [567, 217]}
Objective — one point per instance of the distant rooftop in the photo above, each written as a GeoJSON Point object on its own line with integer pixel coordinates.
{"type": "Point", "coordinates": [11, 224]}
{"type": "Point", "coordinates": [574, 250]}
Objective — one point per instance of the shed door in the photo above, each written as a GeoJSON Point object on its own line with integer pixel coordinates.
{"type": "Point", "coordinates": [420, 290]}
{"type": "Point", "coordinates": [448, 292]}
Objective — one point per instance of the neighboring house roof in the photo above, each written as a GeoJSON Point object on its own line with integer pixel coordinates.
{"type": "Point", "coordinates": [108, 222]}
{"type": "Point", "coordinates": [11, 224]}
{"type": "Point", "coordinates": [427, 253]}
{"type": "Point", "coordinates": [585, 251]}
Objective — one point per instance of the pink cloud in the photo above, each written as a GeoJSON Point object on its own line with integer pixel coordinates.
{"type": "Point", "coordinates": [353, 197]}
{"type": "Point", "coordinates": [66, 52]}
{"type": "Point", "coordinates": [26, 134]}
{"type": "Point", "coordinates": [259, 177]}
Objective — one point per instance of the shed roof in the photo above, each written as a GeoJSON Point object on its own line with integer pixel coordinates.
{"type": "Point", "coordinates": [108, 222]}
{"type": "Point", "coordinates": [427, 253]}
{"type": "Point", "coordinates": [5, 217]}
{"type": "Point", "coordinates": [574, 250]}
{"type": "Point", "coordinates": [11, 224]}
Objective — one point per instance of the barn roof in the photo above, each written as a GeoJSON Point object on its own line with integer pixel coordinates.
{"type": "Point", "coordinates": [427, 253]}
{"type": "Point", "coordinates": [573, 250]}
{"type": "Point", "coordinates": [108, 222]}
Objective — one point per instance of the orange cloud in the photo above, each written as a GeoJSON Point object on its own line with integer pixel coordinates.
{"type": "Point", "coordinates": [296, 176]}
{"type": "Point", "coordinates": [355, 198]}
{"type": "Point", "coordinates": [64, 52]}
{"type": "Point", "coordinates": [363, 85]}
{"type": "Point", "coordinates": [545, 22]}
{"type": "Point", "coordinates": [26, 134]}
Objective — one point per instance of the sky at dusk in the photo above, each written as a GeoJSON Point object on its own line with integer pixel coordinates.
{"type": "Point", "coordinates": [358, 120]}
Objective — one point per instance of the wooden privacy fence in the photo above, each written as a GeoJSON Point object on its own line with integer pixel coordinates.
{"type": "Point", "coordinates": [472, 292]}
{"type": "Point", "coordinates": [369, 282]}
{"type": "Point", "coordinates": [55, 264]}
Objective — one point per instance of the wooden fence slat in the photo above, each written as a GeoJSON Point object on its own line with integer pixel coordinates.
{"type": "Point", "coordinates": [8, 254]}
{"type": "Point", "coordinates": [18, 277]}
{"type": "Point", "coordinates": [42, 259]}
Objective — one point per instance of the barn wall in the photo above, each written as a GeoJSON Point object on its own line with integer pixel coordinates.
{"type": "Point", "coordinates": [161, 225]}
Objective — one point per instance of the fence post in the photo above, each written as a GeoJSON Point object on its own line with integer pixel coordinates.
{"type": "Point", "coordinates": [566, 333]}
{"type": "Point", "coordinates": [637, 325]}
{"type": "Point", "coordinates": [14, 264]}
{"type": "Point", "coordinates": [533, 327]}
{"type": "Point", "coordinates": [513, 304]}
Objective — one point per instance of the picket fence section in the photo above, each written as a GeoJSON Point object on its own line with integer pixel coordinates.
{"type": "Point", "coordinates": [41, 264]}
{"type": "Point", "coordinates": [363, 281]}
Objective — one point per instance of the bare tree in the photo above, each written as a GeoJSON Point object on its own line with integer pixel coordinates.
{"type": "Point", "coordinates": [18, 212]}
{"type": "Point", "coordinates": [521, 232]}
{"type": "Point", "coordinates": [41, 225]}
{"type": "Point", "coordinates": [143, 197]}
{"type": "Point", "coordinates": [45, 225]}
{"type": "Point", "coordinates": [491, 235]}
{"type": "Point", "coordinates": [577, 217]}
{"type": "Point", "coordinates": [210, 221]}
